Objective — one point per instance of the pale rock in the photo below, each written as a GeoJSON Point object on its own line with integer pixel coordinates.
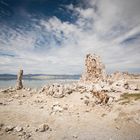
{"type": "Point", "coordinates": [89, 87]}
{"type": "Point", "coordinates": [133, 87]}
{"type": "Point", "coordinates": [57, 108]}
{"type": "Point", "coordinates": [28, 89]}
{"type": "Point", "coordinates": [97, 87]}
{"type": "Point", "coordinates": [50, 90]}
{"type": "Point", "coordinates": [18, 128]}
{"type": "Point", "coordinates": [34, 90]}
{"type": "Point", "coordinates": [82, 90]}
{"type": "Point", "coordinates": [56, 103]}
{"type": "Point", "coordinates": [43, 128]}
{"type": "Point", "coordinates": [58, 91]}
{"type": "Point", "coordinates": [16, 96]}
{"type": "Point", "coordinates": [111, 99]}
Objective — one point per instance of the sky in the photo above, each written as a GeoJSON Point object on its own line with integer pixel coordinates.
{"type": "Point", "coordinates": [53, 36]}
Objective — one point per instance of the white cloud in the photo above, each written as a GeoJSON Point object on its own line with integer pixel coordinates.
{"type": "Point", "coordinates": [100, 29]}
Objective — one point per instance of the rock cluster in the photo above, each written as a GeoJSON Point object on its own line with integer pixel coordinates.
{"type": "Point", "coordinates": [94, 69]}
{"type": "Point", "coordinates": [58, 90]}
{"type": "Point", "coordinates": [119, 76]}
{"type": "Point", "coordinates": [98, 90]}
{"type": "Point", "coordinates": [123, 75]}
{"type": "Point", "coordinates": [23, 132]}
{"type": "Point", "coordinates": [56, 107]}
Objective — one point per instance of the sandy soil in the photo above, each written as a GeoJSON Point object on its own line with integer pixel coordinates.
{"type": "Point", "coordinates": [75, 116]}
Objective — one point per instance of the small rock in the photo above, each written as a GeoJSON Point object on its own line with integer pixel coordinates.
{"type": "Point", "coordinates": [111, 99]}
{"type": "Point", "coordinates": [9, 128]}
{"type": "Point", "coordinates": [86, 102]}
{"type": "Point", "coordinates": [57, 108]}
{"type": "Point", "coordinates": [16, 96]}
{"type": "Point", "coordinates": [23, 95]}
{"type": "Point", "coordinates": [75, 136]}
{"type": "Point", "coordinates": [18, 128]}
{"type": "Point", "coordinates": [10, 100]}
{"type": "Point", "coordinates": [103, 115]}
{"type": "Point", "coordinates": [27, 136]}
{"type": "Point", "coordinates": [27, 125]}
{"type": "Point", "coordinates": [88, 110]}
{"type": "Point", "coordinates": [9, 132]}
{"type": "Point", "coordinates": [43, 128]}
{"type": "Point", "coordinates": [22, 133]}
{"type": "Point", "coordinates": [117, 127]}
{"type": "Point", "coordinates": [1, 125]}
{"type": "Point", "coordinates": [13, 133]}
{"type": "Point", "coordinates": [87, 97]}
{"type": "Point", "coordinates": [2, 103]}
{"type": "Point", "coordinates": [41, 107]}
{"type": "Point", "coordinates": [56, 103]}
{"type": "Point", "coordinates": [20, 102]}
{"type": "Point", "coordinates": [28, 89]}
{"type": "Point", "coordinates": [133, 87]}
{"type": "Point", "coordinates": [65, 108]}
{"type": "Point", "coordinates": [1, 133]}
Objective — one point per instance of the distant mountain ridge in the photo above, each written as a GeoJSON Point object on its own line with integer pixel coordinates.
{"type": "Point", "coordinates": [38, 76]}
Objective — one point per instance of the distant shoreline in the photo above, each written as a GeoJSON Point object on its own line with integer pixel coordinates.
{"type": "Point", "coordinates": [38, 77]}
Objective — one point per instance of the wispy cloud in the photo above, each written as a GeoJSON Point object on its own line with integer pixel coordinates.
{"type": "Point", "coordinates": [55, 46]}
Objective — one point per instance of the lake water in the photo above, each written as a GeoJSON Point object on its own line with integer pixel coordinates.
{"type": "Point", "coordinates": [34, 83]}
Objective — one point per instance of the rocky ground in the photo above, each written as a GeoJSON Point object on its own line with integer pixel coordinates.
{"type": "Point", "coordinates": [31, 114]}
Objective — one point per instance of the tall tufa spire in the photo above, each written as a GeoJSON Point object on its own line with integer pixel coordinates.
{"type": "Point", "coordinates": [19, 84]}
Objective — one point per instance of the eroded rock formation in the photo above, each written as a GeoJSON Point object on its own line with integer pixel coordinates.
{"type": "Point", "coordinates": [94, 69]}
{"type": "Point", "coordinates": [19, 84]}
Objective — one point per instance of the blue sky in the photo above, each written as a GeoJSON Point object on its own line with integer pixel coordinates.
{"type": "Point", "coordinates": [53, 36]}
